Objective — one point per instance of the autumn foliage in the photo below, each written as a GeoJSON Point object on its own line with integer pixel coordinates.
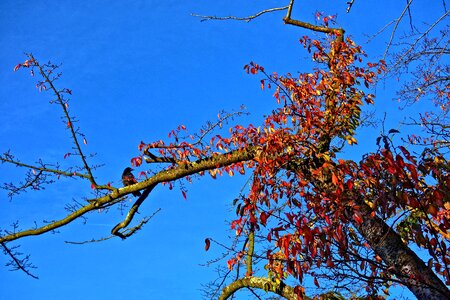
{"type": "Point", "coordinates": [308, 200]}
{"type": "Point", "coordinates": [310, 213]}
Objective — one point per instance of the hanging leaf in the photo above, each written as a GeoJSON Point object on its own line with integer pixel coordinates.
{"type": "Point", "coordinates": [207, 244]}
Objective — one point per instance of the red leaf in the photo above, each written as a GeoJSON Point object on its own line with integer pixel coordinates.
{"type": "Point", "coordinates": [316, 282]}
{"type": "Point", "coordinates": [207, 244]}
{"type": "Point", "coordinates": [350, 184]}
{"type": "Point", "coordinates": [141, 146]}
{"type": "Point", "coordinates": [17, 67]}
{"type": "Point", "coordinates": [93, 186]}
{"type": "Point", "coordinates": [136, 161]}
{"type": "Point", "coordinates": [69, 124]}
{"type": "Point", "coordinates": [358, 217]}
{"type": "Point", "coordinates": [263, 218]}
{"type": "Point", "coordinates": [184, 194]}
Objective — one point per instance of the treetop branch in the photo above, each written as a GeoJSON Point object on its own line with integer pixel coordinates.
{"type": "Point", "coordinates": [247, 19]}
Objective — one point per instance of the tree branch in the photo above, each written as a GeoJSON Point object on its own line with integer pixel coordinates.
{"type": "Point", "coordinates": [20, 264]}
{"type": "Point", "coordinates": [175, 173]}
{"type": "Point", "coordinates": [247, 19]}
{"type": "Point", "coordinates": [127, 232]}
{"type": "Point", "coordinates": [288, 20]}
{"type": "Point", "coordinates": [264, 284]}
{"type": "Point", "coordinates": [133, 210]}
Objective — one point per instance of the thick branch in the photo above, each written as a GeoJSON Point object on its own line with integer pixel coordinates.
{"type": "Point", "coordinates": [250, 251]}
{"type": "Point", "coordinates": [264, 284]}
{"type": "Point", "coordinates": [338, 31]}
{"type": "Point", "coordinates": [133, 210]}
{"type": "Point", "coordinates": [178, 172]}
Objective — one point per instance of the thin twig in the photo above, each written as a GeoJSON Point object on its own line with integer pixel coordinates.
{"type": "Point", "coordinates": [397, 22]}
{"type": "Point", "coordinates": [17, 262]}
{"type": "Point", "coordinates": [350, 4]}
{"type": "Point", "coordinates": [411, 48]}
{"type": "Point", "coordinates": [247, 19]}
{"type": "Point", "coordinates": [68, 118]}
{"type": "Point", "coordinates": [127, 232]}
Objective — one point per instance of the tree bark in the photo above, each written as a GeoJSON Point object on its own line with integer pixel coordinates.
{"type": "Point", "coordinates": [405, 263]}
{"type": "Point", "coordinates": [265, 284]}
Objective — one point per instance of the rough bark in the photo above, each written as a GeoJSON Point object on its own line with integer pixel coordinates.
{"type": "Point", "coordinates": [265, 284]}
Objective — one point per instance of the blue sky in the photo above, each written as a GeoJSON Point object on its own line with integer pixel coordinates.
{"type": "Point", "coordinates": [138, 70]}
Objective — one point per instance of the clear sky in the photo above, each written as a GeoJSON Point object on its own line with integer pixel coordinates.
{"type": "Point", "coordinates": [137, 70]}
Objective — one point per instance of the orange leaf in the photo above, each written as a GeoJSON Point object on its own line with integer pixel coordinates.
{"type": "Point", "coordinates": [334, 179]}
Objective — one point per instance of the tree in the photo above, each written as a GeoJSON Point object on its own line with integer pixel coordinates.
{"type": "Point", "coordinates": [307, 211]}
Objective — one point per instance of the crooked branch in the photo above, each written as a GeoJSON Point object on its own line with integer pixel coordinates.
{"type": "Point", "coordinates": [133, 210]}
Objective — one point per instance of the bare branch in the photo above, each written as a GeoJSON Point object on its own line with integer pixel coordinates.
{"type": "Point", "coordinates": [411, 48]}
{"type": "Point", "coordinates": [8, 158]}
{"type": "Point", "coordinates": [350, 4]}
{"type": "Point", "coordinates": [397, 22]}
{"type": "Point", "coordinates": [247, 19]}
{"type": "Point", "coordinates": [133, 210]}
{"type": "Point", "coordinates": [18, 264]}
{"type": "Point", "coordinates": [127, 232]}
{"type": "Point", "coordinates": [45, 73]}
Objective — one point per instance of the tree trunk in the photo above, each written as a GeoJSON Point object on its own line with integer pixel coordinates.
{"type": "Point", "coordinates": [407, 266]}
